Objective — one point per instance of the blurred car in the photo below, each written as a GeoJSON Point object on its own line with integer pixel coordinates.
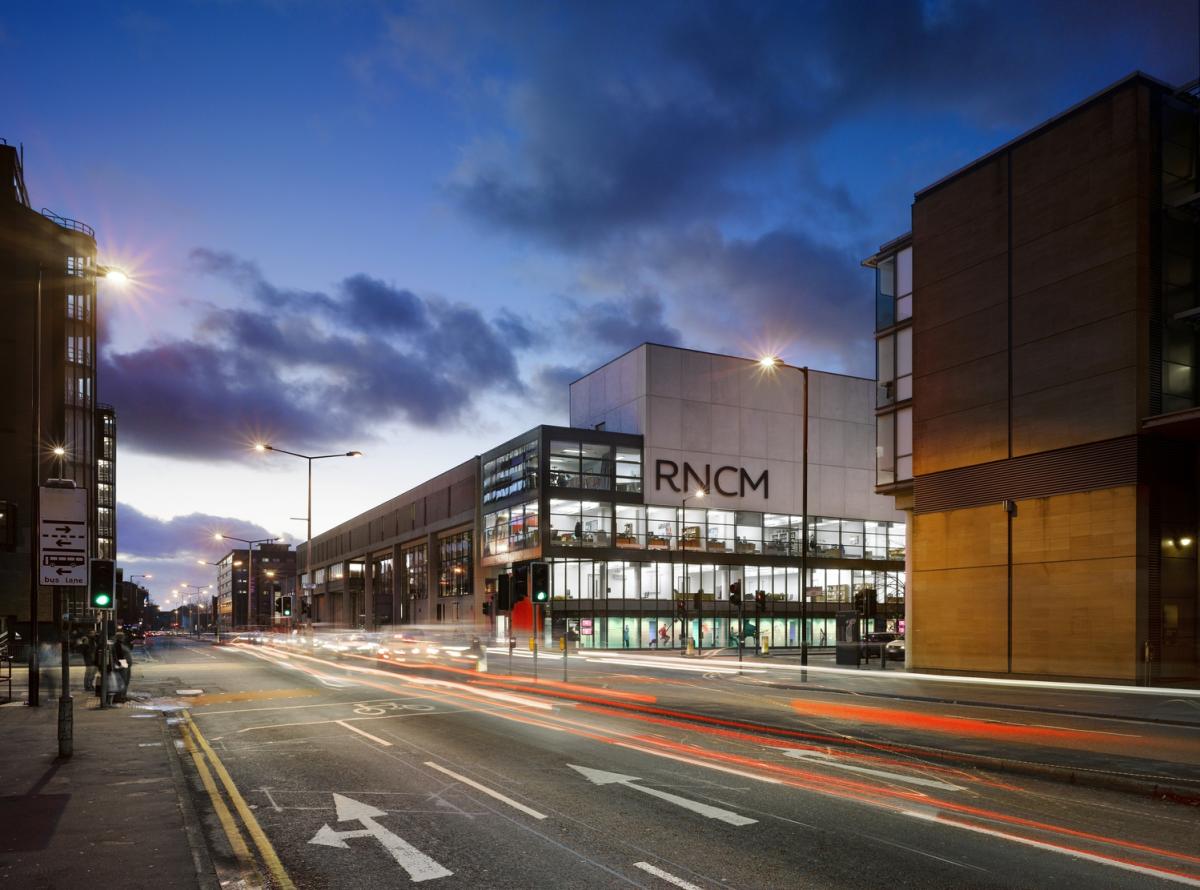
{"type": "Point", "coordinates": [875, 641]}
{"type": "Point", "coordinates": [894, 651]}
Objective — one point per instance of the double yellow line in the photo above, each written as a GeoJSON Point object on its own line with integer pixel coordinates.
{"type": "Point", "coordinates": [201, 751]}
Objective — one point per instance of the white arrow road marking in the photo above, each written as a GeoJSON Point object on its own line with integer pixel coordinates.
{"type": "Point", "coordinates": [419, 866]}
{"type": "Point", "coordinates": [665, 875]}
{"type": "Point", "coordinates": [828, 760]}
{"type": "Point", "coordinates": [488, 791]}
{"type": "Point", "coordinates": [600, 777]}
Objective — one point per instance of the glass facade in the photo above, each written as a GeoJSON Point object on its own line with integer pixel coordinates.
{"type": "Point", "coordinates": [382, 589]}
{"type": "Point", "coordinates": [510, 473]}
{"type": "Point", "coordinates": [894, 367]}
{"type": "Point", "coordinates": [415, 561]}
{"type": "Point", "coordinates": [455, 565]}
{"type": "Point", "coordinates": [593, 466]}
{"type": "Point", "coordinates": [510, 529]}
{"type": "Point", "coordinates": [632, 604]}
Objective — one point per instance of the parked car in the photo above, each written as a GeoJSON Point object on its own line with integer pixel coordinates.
{"type": "Point", "coordinates": [875, 640]}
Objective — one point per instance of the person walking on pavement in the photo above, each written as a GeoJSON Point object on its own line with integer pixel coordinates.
{"type": "Point", "coordinates": [50, 663]}
{"type": "Point", "coordinates": [87, 649]}
{"type": "Point", "coordinates": [123, 663]}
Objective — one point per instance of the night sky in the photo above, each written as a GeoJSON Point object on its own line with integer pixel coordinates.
{"type": "Point", "coordinates": [405, 227]}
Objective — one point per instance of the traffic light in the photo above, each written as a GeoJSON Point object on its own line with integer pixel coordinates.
{"type": "Point", "coordinates": [859, 602]}
{"type": "Point", "coordinates": [103, 577]}
{"type": "Point", "coordinates": [305, 608]}
{"type": "Point", "coordinates": [540, 572]}
{"type": "Point", "coordinates": [869, 602]}
{"type": "Point", "coordinates": [735, 593]}
{"type": "Point", "coordinates": [278, 605]}
{"type": "Point", "coordinates": [286, 602]}
{"type": "Point", "coordinates": [504, 593]}
{"type": "Point", "coordinates": [519, 587]}
{"type": "Point", "coordinates": [760, 599]}
{"type": "Point", "coordinates": [697, 599]}
{"type": "Point", "coordinates": [487, 607]}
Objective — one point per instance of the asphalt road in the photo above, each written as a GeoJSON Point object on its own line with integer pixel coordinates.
{"type": "Point", "coordinates": [317, 772]}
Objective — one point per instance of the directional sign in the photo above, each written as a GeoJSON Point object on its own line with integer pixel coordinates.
{"type": "Point", "coordinates": [64, 537]}
{"type": "Point", "coordinates": [600, 777]}
{"type": "Point", "coordinates": [419, 866]}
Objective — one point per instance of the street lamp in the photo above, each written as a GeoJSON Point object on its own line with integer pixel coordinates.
{"type": "Point", "coordinates": [249, 559]}
{"type": "Point", "coordinates": [196, 608]}
{"type": "Point", "coordinates": [769, 363]}
{"type": "Point", "coordinates": [700, 492]}
{"type": "Point", "coordinates": [263, 446]}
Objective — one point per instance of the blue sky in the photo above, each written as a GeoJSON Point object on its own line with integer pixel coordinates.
{"type": "Point", "coordinates": [402, 227]}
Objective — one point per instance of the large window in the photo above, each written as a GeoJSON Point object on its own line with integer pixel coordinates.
{"type": "Point", "coordinates": [593, 466]}
{"type": "Point", "coordinates": [580, 523]}
{"type": "Point", "coordinates": [416, 571]}
{"type": "Point", "coordinates": [382, 581]}
{"type": "Point", "coordinates": [454, 565]}
{"type": "Point", "coordinates": [511, 472]}
{"type": "Point", "coordinates": [513, 528]}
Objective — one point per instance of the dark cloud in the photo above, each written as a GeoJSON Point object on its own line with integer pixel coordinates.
{"type": "Point", "coordinates": [675, 126]}
{"type": "Point", "coordinates": [609, 327]}
{"type": "Point", "coordinates": [359, 358]}
{"type": "Point", "coordinates": [551, 390]}
{"type": "Point", "coordinates": [190, 537]}
{"type": "Point", "coordinates": [782, 291]}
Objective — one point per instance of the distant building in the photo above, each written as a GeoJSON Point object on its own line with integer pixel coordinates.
{"type": "Point", "coordinates": [241, 605]}
{"type": "Point", "coordinates": [105, 520]}
{"type": "Point", "coordinates": [46, 258]}
{"type": "Point", "coordinates": [1038, 401]}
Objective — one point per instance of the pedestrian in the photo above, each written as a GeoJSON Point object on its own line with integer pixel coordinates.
{"type": "Point", "coordinates": [87, 649]}
{"type": "Point", "coordinates": [50, 664]}
{"type": "Point", "coordinates": [122, 664]}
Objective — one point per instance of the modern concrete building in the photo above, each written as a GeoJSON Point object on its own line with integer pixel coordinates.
{"type": "Point", "coordinates": [610, 504]}
{"type": "Point", "coordinates": [1038, 410]}
{"type": "Point", "coordinates": [48, 260]}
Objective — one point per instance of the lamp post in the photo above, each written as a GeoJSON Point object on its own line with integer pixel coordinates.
{"type": "Point", "coordinates": [196, 606]}
{"type": "Point", "coordinates": [216, 619]}
{"type": "Point", "coordinates": [263, 446]}
{"type": "Point", "coordinates": [139, 575]}
{"type": "Point", "coordinates": [249, 562]}
{"type": "Point", "coordinates": [700, 492]}
{"type": "Point", "coordinates": [771, 362]}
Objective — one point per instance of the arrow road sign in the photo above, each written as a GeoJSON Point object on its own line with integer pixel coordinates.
{"type": "Point", "coordinates": [600, 777]}
{"type": "Point", "coordinates": [64, 537]}
{"type": "Point", "coordinates": [419, 866]}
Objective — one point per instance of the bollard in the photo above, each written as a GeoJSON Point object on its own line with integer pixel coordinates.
{"type": "Point", "coordinates": [766, 646]}
{"type": "Point", "coordinates": [691, 646]}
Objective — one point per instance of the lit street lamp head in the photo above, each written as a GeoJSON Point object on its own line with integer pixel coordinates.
{"type": "Point", "coordinates": [59, 451]}
{"type": "Point", "coordinates": [353, 454]}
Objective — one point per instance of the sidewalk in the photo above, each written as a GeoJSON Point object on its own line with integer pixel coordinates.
{"type": "Point", "coordinates": [113, 815]}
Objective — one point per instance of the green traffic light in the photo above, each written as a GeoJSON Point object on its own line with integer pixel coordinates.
{"type": "Point", "coordinates": [101, 599]}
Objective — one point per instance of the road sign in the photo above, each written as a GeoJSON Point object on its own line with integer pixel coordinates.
{"type": "Point", "coordinates": [64, 537]}
{"type": "Point", "coordinates": [419, 866]}
{"type": "Point", "coordinates": [600, 777]}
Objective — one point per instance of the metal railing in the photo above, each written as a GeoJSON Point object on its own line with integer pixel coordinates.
{"type": "Point", "coordinates": [73, 224]}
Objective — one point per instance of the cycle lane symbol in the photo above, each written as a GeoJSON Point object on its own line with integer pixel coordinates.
{"type": "Point", "coordinates": [385, 708]}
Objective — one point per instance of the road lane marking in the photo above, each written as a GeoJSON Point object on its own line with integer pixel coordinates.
{"type": "Point", "coordinates": [228, 824]}
{"type": "Point", "coordinates": [601, 777]}
{"type": "Point", "coordinates": [665, 875]}
{"type": "Point", "coordinates": [1165, 874]}
{"type": "Point", "coordinates": [373, 738]}
{"type": "Point", "coordinates": [270, 857]}
{"type": "Point", "coordinates": [828, 760]}
{"type": "Point", "coordinates": [488, 791]}
{"type": "Point", "coordinates": [419, 866]}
